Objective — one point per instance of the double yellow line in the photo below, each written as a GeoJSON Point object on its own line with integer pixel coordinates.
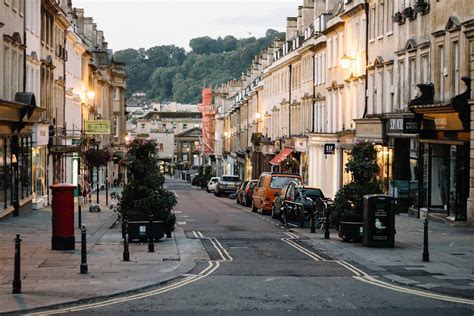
{"type": "Point", "coordinates": [212, 266]}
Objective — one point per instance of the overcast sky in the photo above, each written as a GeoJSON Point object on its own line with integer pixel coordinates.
{"type": "Point", "coordinates": [146, 23]}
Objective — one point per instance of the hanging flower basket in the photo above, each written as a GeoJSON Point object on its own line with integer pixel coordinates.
{"type": "Point", "coordinates": [97, 157]}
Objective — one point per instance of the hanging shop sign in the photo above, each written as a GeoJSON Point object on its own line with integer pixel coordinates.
{"type": "Point", "coordinates": [329, 149]}
{"type": "Point", "coordinates": [99, 127]}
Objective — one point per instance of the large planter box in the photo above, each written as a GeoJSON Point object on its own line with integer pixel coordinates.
{"type": "Point", "coordinates": [138, 230]}
{"type": "Point", "coordinates": [351, 226]}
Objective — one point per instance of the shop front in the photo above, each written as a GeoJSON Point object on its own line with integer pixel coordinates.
{"type": "Point", "coordinates": [325, 163]}
{"type": "Point", "coordinates": [373, 130]}
{"type": "Point", "coordinates": [39, 165]}
{"type": "Point", "coordinates": [401, 160]}
{"type": "Point", "coordinates": [443, 158]}
{"type": "Point", "coordinates": [16, 127]}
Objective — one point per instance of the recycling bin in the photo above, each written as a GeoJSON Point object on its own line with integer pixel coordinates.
{"type": "Point", "coordinates": [378, 221]}
{"type": "Point", "coordinates": [63, 216]}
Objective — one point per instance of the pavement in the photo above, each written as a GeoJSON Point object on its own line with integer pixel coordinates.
{"type": "Point", "coordinates": [451, 248]}
{"type": "Point", "coordinates": [52, 277]}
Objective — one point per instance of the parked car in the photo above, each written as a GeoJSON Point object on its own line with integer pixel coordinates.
{"type": "Point", "coordinates": [211, 185]}
{"type": "Point", "coordinates": [245, 193]}
{"type": "Point", "coordinates": [227, 184]}
{"type": "Point", "coordinates": [239, 192]}
{"type": "Point", "coordinates": [295, 198]}
{"type": "Point", "coordinates": [268, 184]}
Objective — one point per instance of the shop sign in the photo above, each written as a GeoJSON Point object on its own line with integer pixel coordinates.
{"type": "Point", "coordinates": [442, 122]}
{"type": "Point", "coordinates": [40, 134]}
{"type": "Point", "coordinates": [411, 126]}
{"type": "Point", "coordinates": [97, 127]}
{"type": "Point", "coordinates": [396, 124]}
{"type": "Point", "coordinates": [329, 149]}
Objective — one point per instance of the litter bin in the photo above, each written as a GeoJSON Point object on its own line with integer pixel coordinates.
{"type": "Point", "coordinates": [379, 221]}
{"type": "Point", "coordinates": [63, 216]}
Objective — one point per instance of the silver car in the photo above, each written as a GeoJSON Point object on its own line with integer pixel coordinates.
{"type": "Point", "coordinates": [227, 184]}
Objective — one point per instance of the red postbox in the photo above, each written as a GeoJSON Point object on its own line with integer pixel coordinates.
{"type": "Point", "coordinates": [63, 216]}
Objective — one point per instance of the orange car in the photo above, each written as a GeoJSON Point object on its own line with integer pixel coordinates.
{"type": "Point", "coordinates": [268, 184]}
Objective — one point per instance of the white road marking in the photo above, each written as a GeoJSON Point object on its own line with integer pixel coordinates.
{"type": "Point", "coordinates": [364, 277]}
{"type": "Point", "coordinates": [177, 212]}
{"type": "Point", "coordinates": [181, 223]}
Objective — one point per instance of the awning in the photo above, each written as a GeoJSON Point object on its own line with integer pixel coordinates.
{"type": "Point", "coordinates": [276, 161]}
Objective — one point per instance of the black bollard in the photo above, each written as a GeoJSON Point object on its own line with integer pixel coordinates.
{"type": "Point", "coordinates": [107, 184]}
{"type": "Point", "coordinates": [312, 224]}
{"type": "Point", "coordinates": [301, 209]}
{"type": "Point", "coordinates": [83, 250]}
{"type": "Point", "coordinates": [151, 245]}
{"type": "Point", "coordinates": [426, 253]}
{"type": "Point", "coordinates": [126, 253]}
{"type": "Point", "coordinates": [326, 230]}
{"type": "Point", "coordinates": [16, 271]}
{"type": "Point", "coordinates": [79, 211]}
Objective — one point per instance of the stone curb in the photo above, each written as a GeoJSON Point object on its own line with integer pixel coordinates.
{"type": "Point", "coordinates": [187, 263]}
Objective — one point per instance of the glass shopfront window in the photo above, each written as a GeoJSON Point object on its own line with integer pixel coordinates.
{"type": "Point", "coordinates": [445, 179]}
{"type": "Point", "coordinates": [6, 172]}
{"type": "Point", "coordinates": [39, 172]}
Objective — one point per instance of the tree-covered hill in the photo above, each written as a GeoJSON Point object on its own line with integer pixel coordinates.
{"type": "Point", "coordinates": [169, 73]}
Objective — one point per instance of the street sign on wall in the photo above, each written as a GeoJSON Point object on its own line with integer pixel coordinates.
{"type": "Point", "coordinates": [101, 127]}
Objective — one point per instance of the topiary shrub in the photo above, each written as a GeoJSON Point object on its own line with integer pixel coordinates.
{"type": "Point", "coordinates": [144, 193]}
{"type": "Point", "coordinates": [362, 165]}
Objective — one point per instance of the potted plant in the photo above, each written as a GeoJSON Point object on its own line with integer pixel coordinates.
{"type": "Point", "coordinates": [143, 198]}
{"type": "Point", "coordinates": [422, 6]}
{"type": "Point", "coordinates": [348, 203]}
{"type": "Point", "coordinates": [398, 17]}
{"type": "Point", "coordinates": [409, 12]}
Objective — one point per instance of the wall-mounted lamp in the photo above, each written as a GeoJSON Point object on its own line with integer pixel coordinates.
{"type": "Point", "coordinates": [346, 61]}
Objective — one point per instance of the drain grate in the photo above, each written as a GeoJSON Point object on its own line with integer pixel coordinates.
{"type": "Point", "coordinates": [51, 263]}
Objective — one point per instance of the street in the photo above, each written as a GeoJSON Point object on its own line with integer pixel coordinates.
{"type": "Point", "coordinates": [251, 264]}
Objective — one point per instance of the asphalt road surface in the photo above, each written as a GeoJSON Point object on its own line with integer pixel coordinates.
{"type": "Point", "coordinates": [252, 265]}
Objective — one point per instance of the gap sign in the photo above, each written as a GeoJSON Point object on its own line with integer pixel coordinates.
{"type": "Point", "coordinates": [101, 127]}
{"type": "Point", "coordinates": [329, 149]}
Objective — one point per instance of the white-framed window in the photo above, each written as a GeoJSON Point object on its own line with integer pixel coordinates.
{"type": "Point", "coordinates": [442, 71]}
{"type": "Point", "coordinates": [335, 51]}
{"type": "Point", "coordinates": [389, 91]}
{"type": "Point", "coordinates": [412, 78]}
{"type": "Point", "coordinates": [340, 38]}
{"type": "Point", "coordinates": [425, 70]}
{"type": "Point", "coordinates": [185, 145]}
{"type": "Point", "coordinates": [116, 94]}
{"type": "Point", "coordinates": [380, 19]}
{"type": "Point", "coordinates": [380, 92]}
{"type": "Point", "coordinates": [372, 23]}
{"type": "Point", "coordinates": [185, 157]}
{"type": "Point", "coordinates": [323, 68]}
{"type": "Point", "coordinates": [388, 18]}
{"type": "Point", "coordinates": [456, 65]}
{"type": "Point", "coordinates": [401, 84]}
{"type": "Point", "coordinates": [329, 50]}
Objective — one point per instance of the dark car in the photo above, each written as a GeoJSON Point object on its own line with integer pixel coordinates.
{"type": "Point", "coordinates": [245, 192]}
{"type": "Point", "coordinates": [294, 198]}
{"type": "Point", "coordinates": [227, 184]}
